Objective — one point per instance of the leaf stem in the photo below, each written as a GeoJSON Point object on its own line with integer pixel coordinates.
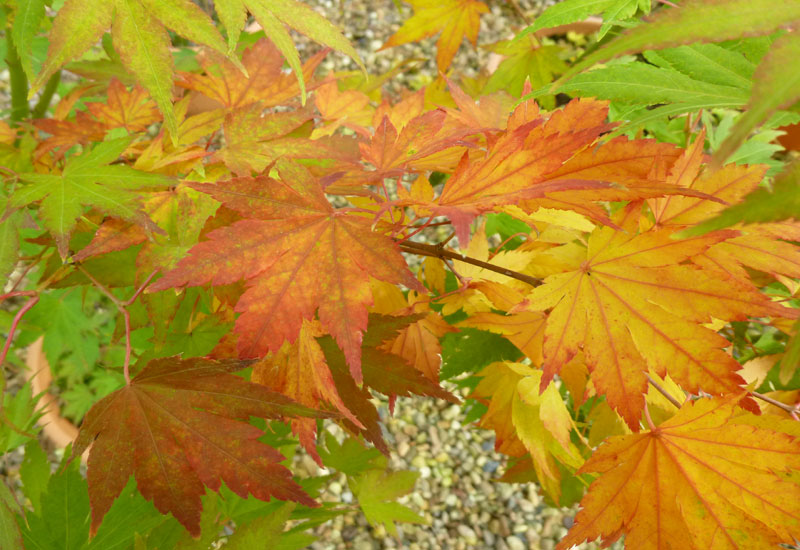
{"type": "Point", "coordinates": [22, 311]}
{"type": "Point", "coordinates": [438, 251]}
{"type": "Point", "coordinates": [123, 309]}
{"type": "Point", "coordinates": [663, 392]}
{"type": "Point", "coordinates": [650, 423]}
{"type": "Point", "coordinates": [40, 109]}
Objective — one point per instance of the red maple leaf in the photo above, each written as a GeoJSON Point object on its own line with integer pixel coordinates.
{"type": "Point", "coordinates": [180, 426]}
{"type": "Point", "coordinates": [299, 256]}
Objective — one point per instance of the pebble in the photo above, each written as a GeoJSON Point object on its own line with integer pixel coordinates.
{"type": "Point", "coordinates": [515, 543]}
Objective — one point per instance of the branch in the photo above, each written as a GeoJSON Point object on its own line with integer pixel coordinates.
{"type": "Point", "coordinates": [438, 251]}
{"type": "Point", "coordinates": [663, 392]}
{"type": "Point", "coordinates": [793, 410]}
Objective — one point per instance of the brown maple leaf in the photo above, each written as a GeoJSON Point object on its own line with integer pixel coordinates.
{"type": "Point", "coordinates": [383, 371]}
{"type": "Point", "coordinates": [299, 256]}
{"type": "Point", "coordinates": [711, 477]}
{"type": "Point", "coordinates": [181, 426]}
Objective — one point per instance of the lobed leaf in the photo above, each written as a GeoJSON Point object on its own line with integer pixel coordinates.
{"type": "Point", "coordinates": [179, 426]}
{"type": "Point", "coordinates": [712, 476]}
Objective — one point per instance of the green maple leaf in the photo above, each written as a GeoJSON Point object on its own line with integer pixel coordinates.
{"type": "Point", "coordinates": [376, 490]}
{"type": "Point", "coordinates": [88, 179]}
{"type": "Point", "coordinates": [272, 15]}
{"type": "Point", "coordinates": [139, 30]}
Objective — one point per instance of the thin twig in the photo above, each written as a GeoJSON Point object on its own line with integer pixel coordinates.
{"type": "Point", "coordinates": [518, 9]}
{"type": "Point", "coordinates": [438, 251]}
{"type": "Point", "coordinates": [141, 289]}
{"type": "Point", "coordinates": [793, 410]}
{"type": "Point", "coordinates": [123, 309]}
{"type": "Point", "coordinates": [663, 392]}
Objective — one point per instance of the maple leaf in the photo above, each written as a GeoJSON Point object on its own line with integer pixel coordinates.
{"type": "Point", "coordinates": [299, 370]}
{"type": "Point", "coordinates": [254, 140]}
{"type": "Point", "coordinates": [632, 305]}
{"type": "Point", "coordinates": [762, 247]}
{"type": "Point", "coordinates": [298, 255]}
{"type": "Point", "coordinates": [527, 422]}
{"type": "Point", "coordinates": [181, 425]}
{"type": "Point", "coordinates": [518, 164]}
{"type": "Point", "coordinates": [712, 476]}
{"type": "Point", "coordinates": [383, 371]}
{"type": "Point", "coordinates": [455, 19]}
{"type": "Point", "coordinates": [88, 179]}
{"type": "Point", "coordinates": [265, 82]}
{"type": "Point", "coordinates": [132, 110]}
{"type": "Point", "coordinates": [139, 32]}
{"type": "Point", "coordinates": [524, 61]}
{"type": "Point", "coordinates": [377, 490]}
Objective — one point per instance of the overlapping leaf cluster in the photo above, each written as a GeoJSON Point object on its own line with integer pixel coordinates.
{"type": "Point", "coordinates": [276, 233]}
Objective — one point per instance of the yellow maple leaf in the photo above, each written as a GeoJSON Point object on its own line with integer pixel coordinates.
{"type": "Point", "coordinates": [632, 306]}
{"type": "Point", "coordinates": [528, 422]}
{"type": "Point", "coordinates": [712, 477]}
{"type": "Point", "coordinates": [455, 19]}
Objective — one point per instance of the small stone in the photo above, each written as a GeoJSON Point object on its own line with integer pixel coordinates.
{"type": "Point", "coordinates": [568, 522]}
{"type": "Point", "coordinates": [451, 412]}
{"type": "Point", "coordinates": [494, 526]}
{"type": "Point", "coordinates": [451, 500]}
{"type": "Point", "coordinates": [547, 544]}
{"type": "Point", "coordinates": [515, 543]}
{"type": "Point", "coordinates": [402, 448]}
{"type": "Point", "coordinates": [425, 472]}
{"type": "Point", "coordinates": [365, 544]}
{"type": "Point", "coordinates": [467, 533]}
{"type": "Point", "coordinates": [526, 506]}
{"type": "Point", "coordinates": [335, 488]}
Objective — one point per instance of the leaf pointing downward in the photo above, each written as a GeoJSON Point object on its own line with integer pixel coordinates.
{"type": "Point", "coordinates": [180, 425]}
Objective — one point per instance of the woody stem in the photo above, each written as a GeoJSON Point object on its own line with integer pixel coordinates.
{"type": "Point", "coordinates": [437, 251]}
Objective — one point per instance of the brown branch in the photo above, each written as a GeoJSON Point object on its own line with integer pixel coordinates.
{"type": "Point", "coordinates": [788, 408]}
{"type": "Point", "coordinates": [663, 392]}
{"type": "Point", "coordinates": [438, 251]}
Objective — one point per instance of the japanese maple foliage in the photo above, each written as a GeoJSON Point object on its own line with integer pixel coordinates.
{"type": "Point", "coordinates": [247, 222]}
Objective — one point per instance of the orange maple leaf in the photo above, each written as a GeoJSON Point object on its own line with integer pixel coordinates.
{"type": "Point", "coordinates": [761, 246]}
{"type": "Point", "coordinates": [711, 477]}
{"type": "Point", "coordinates": [255, 139]}
{"type": "Point", "coordinates": [180, 426]}
{"type": "Point", "coordinates": [299, 370]}
{"type": "Point", "coordinates": [298, 255]}
{"type": "Point", "coordinates": [455, 19]}
{"type": "Point", "coordinates": [132, 109]}
{"type": "Point", "coordinates": [266, 82]}
{"type": "Point", "coordinates": [633, 305]}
